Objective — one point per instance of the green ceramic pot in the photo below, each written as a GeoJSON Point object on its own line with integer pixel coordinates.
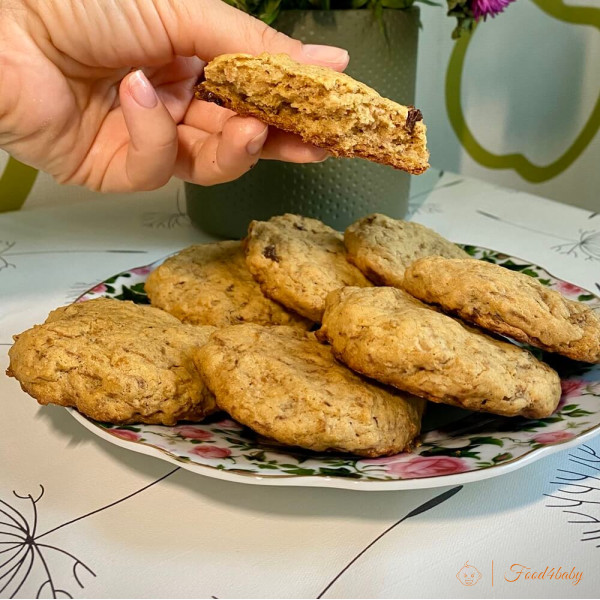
{"type": "Point", "coordinates": [337, 191]}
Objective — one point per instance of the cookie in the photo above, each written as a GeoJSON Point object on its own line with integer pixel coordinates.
{"type": "Point", "coordinates": [285, 385]}
{"type": "Point", "coordinates": [209, 284]}
{"type": "Point", "coordinates": [386, 334]}
{"type": "Point", "coordinates": [326, 108]}
{"type": "Point", "coordinates": [298, 261]}
{"type": "Point", "coordinates": [115, 362]}
{"type": "Point", "coordinates": [382, 247]}
{"type": "Point", "coordinates": [508, 303]}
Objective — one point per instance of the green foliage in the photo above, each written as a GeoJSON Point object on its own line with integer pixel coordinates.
{"type": "Point", "coordinates": [268, 10]}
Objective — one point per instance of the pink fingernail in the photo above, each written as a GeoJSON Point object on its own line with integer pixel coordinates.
{"type": "Point", "coordinates": [142, 91]}
{"type": "Point", "coordinates": [254, 146]}
{"type": "Point", "coordinates": [325, 53]}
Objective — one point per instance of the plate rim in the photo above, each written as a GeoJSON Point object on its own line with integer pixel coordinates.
{"type": "Point", "coordinates": [328, 481]}
{"type": "Point", "coordinates": [236, 476]}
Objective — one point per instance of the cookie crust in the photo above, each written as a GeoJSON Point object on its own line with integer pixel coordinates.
{"type": "Point", "coordinates": [326, 108]}
{"type": "Point", "coordinates": [382, 247]}
{"type": "Point", "coordinates": [209, 284]}
{"type": "Point", "coordinates": [508, 303]}
{"type": "Point", "coordinates": [115, 362]}
{"type": "Point", "coordinates": [285, 385]}
{"type": "Point", "coordinates": [298, 261]}
{"type": "Point", "coordinates": [386, 334]}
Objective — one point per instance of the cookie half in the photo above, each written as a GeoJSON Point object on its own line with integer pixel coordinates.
{"type": "Point", "coordinates": [326, 108]}
{"type": "Point", "coordinates": [509, 303]}
{"type": "Point", "coordinates": [298, 261]}
{"type": "Point", "coordinates": [209, 284]}
{"type": "Point", "coordinates": [382, 247]}
{"type": "Point", "coordinates": [115, 362]}
{"type": "Point", "coordinates": [285, 385]}
{"type": "Point", "coordinates": [390, 336]}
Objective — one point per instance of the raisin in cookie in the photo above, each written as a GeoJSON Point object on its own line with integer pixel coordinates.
{"type": "Point", "coordinates": [298, 261]}
{"type": "Point", "coordinates": [115, 362]}
{"type": "Point", "coordinates": [326, 108]}
{"type": "Point", "coordinates": [209, 284]}
{"type": "Point", "coordinates": [508, 303]}
{"type": "Point", "coordinates": [382, 247]}
{"type": "Point", "coordinates": [285, 385]}
{"type": "Point", "coordinates": [390, 336]}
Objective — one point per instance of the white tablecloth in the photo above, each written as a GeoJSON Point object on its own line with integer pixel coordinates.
{"type": "Point", "coordinates": [111, 523]}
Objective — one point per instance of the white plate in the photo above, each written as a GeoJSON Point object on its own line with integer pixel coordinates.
{"type": "Point", "coordinates": [457, 446]}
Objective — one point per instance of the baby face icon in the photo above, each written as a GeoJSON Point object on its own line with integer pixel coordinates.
{"type": "Point", "coordinates": [468, 575]}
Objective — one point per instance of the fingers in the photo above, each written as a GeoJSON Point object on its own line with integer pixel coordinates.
{"type": "Point", "coordinates": [210, 158]}
{"type": "Point", "coordinates": [208, 28]}
{"type": "Point", "coordinates": [148, 160]}
{"type": "Point", "coordinates": [288, 147]}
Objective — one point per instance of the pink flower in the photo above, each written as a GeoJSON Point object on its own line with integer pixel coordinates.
{"type": "Point", "coordinates": [483, 8]}
{"type": "Point", "coordinates": [571, 387]}
{"type": "Point", "coordinates": [141, 270]}
{"type": "Point", "coordinates": [126, 434]}
{"type": "Point", "coordinates": [421, 466]}
{"type": "Point", "coordinates": [192, 433]}
{"type": "Point", "coordinates": [99, 289]}
{"type": "Point", "coordinates": [570, 289]}
{"type": "Point", "coordinates": [553, 436]}
{"type": "Point", "coordinates": [211, 452]}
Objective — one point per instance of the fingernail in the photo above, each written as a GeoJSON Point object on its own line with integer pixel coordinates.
{"type": "Point", "coordinates": [325, 53]}
{"type": "Point", "coordinates": [142, 91]}
{"type": "Point", "coordinates": [254, 146]}
{"type": "Point", "coordinates": [325, 156]}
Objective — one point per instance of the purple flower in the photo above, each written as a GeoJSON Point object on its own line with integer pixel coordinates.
{"type": "Point", "coordinates": [483, 8]}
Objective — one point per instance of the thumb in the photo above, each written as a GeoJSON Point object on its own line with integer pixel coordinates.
{"type": "Point", "coordinates": [208, 28]}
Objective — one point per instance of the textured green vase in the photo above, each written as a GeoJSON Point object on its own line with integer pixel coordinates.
{"type": "Point", "coordinates": [337, 191]}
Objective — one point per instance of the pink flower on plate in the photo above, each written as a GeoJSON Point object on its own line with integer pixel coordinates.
{"type": "Point", "coordinates": [552, 437]}
{"type": "Point", "coordinates": [193, 433]}
{"type": "Point", "coordinates": [98, 289]}
{"type": "Point", "coordinates": [141, 270]}
{"type": "Point", "coordinates": [569, 289]}
{"type": "Point", "coordinates": [571, 387]}
{"type": "Point", "coordinates": [421, 466]}
{"type": "Point", "coordinates": [211, 452]}
{"type": "Point", "coordinates": [126, 434]}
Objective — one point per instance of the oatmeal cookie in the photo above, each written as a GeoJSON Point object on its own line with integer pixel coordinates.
{"type": "Point", "coordinates": [115, 362]}
{"type": "Point", "coordinates": [285, 385]}
{"type": "Point", "coordinates": [209, 284]}
{"type": "Point", "coordinates": [390, 336]}
{"type": "Point", "coordinates": [382, 247]}
{"type": "Point", "coordinates": [326, 108]}
{"type": "Point", "coordinates": [508, 303]}
{"type": "Point", "coordinates": [298, 261]}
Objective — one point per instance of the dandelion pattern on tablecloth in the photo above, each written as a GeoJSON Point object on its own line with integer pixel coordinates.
{"type": "Point", "coordinates": [4, 248]}
{"type": "Point", "coordinates": [588, 244]}
{"type": "Point", "coordinates": [27, 563]}
{"type": "Point", "coordinates": [168, 220]}
{"type": "Point", "coordinates": [578, 495]}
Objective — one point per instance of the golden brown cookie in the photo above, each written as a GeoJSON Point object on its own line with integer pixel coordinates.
{"type": "Point", "coordinates": [326, 108]}
{"type": "Point", "coordinates": [390, 336]}
{"type": "Point", "coordinates": [298, 261]}
{"type": "Point", "coordinates": [209, 284]}
{"type": "Point", "coordinates": [285, 385]}
{"type": "Point", "coordinates": [509, 303]}
{"type": "Point", "coordinates": [115, 362]}
{"type": "Point", "coordinates": [382, 247]}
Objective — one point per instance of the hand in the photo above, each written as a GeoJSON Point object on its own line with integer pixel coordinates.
{"type": "Point", "coordinates": [71, 106]}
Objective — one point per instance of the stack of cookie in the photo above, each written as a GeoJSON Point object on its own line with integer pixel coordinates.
{"type": "Point", "coordinates": [402, 313]}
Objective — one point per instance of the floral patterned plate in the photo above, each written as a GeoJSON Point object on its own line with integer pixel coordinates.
{"type": "Point", "coordinates": [457, 446]}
